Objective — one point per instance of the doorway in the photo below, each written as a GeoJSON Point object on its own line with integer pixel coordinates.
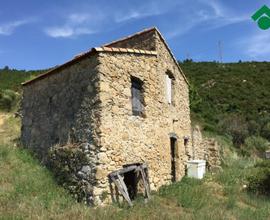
{"type": "Point", "coordinates": [173, 158]}
{"type": "Point", "coordinates": [130, 179]}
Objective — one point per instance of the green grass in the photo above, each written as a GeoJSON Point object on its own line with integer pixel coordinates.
{"type": "Point", "coordinates": [29, 191]}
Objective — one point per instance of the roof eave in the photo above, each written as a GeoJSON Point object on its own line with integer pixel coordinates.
{"type": "Point", "coordinates": [57, 68]}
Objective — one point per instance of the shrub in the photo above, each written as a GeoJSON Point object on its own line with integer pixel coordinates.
{"type": "Point", "coordinates": [256, 144]}
{"type": "Point", "coordinates": [195, 99]}
{"type": "Point", "coordinates": [237, 90]}
{"type": "Point", "coordinates": [236, 126]}
{"type": "Point", "coordinates": [189, 193]}
{"type": "Point", "coordinates": [65, 163]}
{"type": "Point", "coordinates": [265, 132]}
{"type": "Point", "coordinates": [8, 99]}
{"type": "Point", "coordinates": [254, 127]}
{"type": "Point", "coordinates": [259, 178]}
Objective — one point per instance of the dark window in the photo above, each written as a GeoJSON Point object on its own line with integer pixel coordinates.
{"type": "Point", "coordinates": [173, 158]}
{"type": "Point", "coordinates": [137, 96]}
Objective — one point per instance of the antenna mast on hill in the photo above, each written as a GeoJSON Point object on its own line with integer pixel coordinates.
{"type": "Point", "coordinates": [220, 51]}
{"type": "Point", "coordinates": [188, 56]}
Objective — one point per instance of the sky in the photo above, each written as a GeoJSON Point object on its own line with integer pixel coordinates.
{"type": "Point", "coordinates": [39, 34]}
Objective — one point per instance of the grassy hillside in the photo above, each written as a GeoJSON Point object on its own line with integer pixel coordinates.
{"type": "Point", "coordinates": [221, 95]}
{"type": "Point", "coordinates": [230, 88]}
{"type": "Point", "coordinates": [231, 99]}
{"type": "Point", "coordinates": [28, 191]}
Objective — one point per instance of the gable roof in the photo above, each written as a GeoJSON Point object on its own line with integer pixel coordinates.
{"type": "Point", "coordinates": [162, 39]}
{"type": "Point", "coordinates": [108, 48]}
{"type": "Point", "coordinates": [137, 34]}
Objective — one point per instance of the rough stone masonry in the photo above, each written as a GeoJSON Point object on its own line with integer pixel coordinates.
{"type": "Point", "coordinates": [83, 119]}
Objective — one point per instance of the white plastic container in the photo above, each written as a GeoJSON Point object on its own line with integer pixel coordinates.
{"type": "Point", "coordinates": [267, 154]}
{"type": "Point", "coordinates": [196, 168]}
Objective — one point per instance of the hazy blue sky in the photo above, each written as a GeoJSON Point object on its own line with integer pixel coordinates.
{"type": "Point", "coordinates": [37, 34]}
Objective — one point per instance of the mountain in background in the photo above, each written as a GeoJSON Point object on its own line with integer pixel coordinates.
{"type": "Point", "coordinates": [229, 99]}
{"type": "Point", "coordinates": [232, 99]}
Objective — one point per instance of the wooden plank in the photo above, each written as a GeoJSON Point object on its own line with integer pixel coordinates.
{"type": "Point", "coordinates": [127, 169]}
{"type": "Point", "coordinates": [147, 193]}
{"type": "Point", "coordinates": [119, 183]}
{"type": "Point", "coordinates": [124, 187]}
{"type": "Point", "coordinates": [124, 170]}
{"type": "Point", "coordinates": [147, 179]}
{"type": "Point", "coordinates": [118, 179]}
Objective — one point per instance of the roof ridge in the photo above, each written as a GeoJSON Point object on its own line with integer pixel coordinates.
{"type": "Point", "coordinates": [59, 67]}
{"type": "Point", "coordinates": [91, 51]}
{"type": "Point", "coordinates": [130, 36]}
{"type": "Point", "coordinates": [124, 50]}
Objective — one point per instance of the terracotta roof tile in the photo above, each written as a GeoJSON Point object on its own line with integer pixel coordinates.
{"type": "Point", "coordinates": [130, 50]}
{"type": "Point", "coordinates": [109, 49]}
{"type": "Point", "coordinates": [114, 49]}
{"type": "Point", "coordinates": [99, 49]}
{"type": "Point", "coordinates": [136, 51]}
{"type": "Point", "coordinates": [123, 50]}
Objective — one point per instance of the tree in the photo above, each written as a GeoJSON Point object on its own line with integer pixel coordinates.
{"type": "Point", "coordinates": [236, 126]}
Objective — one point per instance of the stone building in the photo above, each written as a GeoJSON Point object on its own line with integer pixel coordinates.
{"type": "Point", "coordinates": [123, 103]}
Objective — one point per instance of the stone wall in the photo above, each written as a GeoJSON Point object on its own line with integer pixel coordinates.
{"type": "Point", "coordinates": [205, 149]}
{"type": "Point", "coordinates": [74, 166]}
{"type": "Point", "coordinates": [61, 108]}
{"type": "Point", "coordinates": [60, 125]}
{"type": "Point", "coordinates": [130, 139]}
